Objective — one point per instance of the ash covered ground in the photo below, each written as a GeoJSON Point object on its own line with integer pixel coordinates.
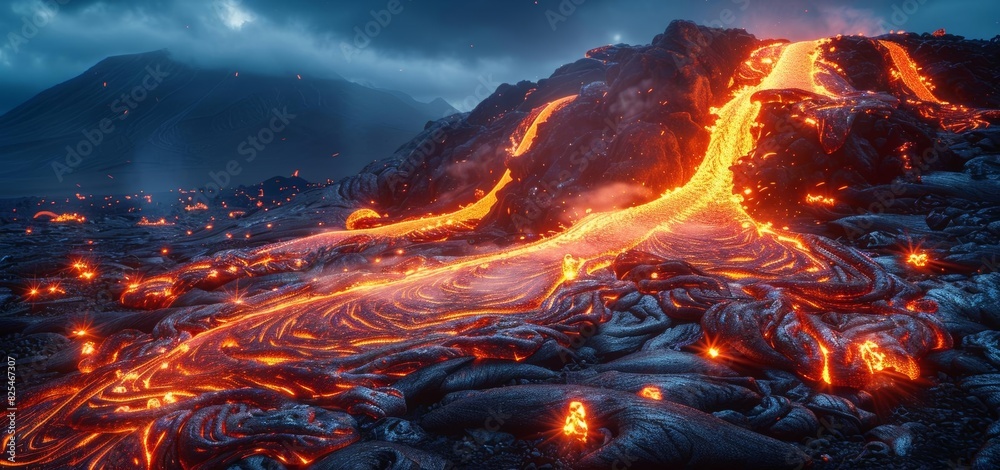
{"type": "Point", "coordinates": [902, 193]}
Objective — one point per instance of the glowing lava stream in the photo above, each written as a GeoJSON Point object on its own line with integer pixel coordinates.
{"type": "Point", "coordinates": [908, 72]}
{"type": "Point", "coordinates": [318, 349]}
{"type": "Point", "coordinates": [164, 288]}
{"type": "Point", "coordinates": [472, 212]}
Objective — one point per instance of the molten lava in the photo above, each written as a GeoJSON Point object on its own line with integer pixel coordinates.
{"type": "Point", "coordinates": [190, 394]}
{"type": "Point", "coordinates": [61, 218]}
{"type": "Point", "coordinates": [359, 216]}
{"type": "Point", "coordinates": [651, 392]}
{"type": "Point", "coordinates": [576, 422]}
{"type": "Point", "coordinates": [144, 222]}
{"type": "Point", "coordinates": [919, 260]}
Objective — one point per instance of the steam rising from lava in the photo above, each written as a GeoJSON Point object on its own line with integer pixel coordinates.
{"type": "Point", "coordinates": [215, 383]}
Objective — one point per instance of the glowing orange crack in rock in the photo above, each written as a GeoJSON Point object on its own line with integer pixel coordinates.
{"type": "Point", "coordinates": [651, 392]}
{"type": "Point", "coordinates": [576, 422]}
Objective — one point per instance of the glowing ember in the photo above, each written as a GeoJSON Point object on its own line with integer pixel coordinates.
{"type": "Point", "coordinates": [196, 207]}
{"type": "Point", "coordinates": [919, 260]}
{"type": "Point", "coordinates": [571, 267]}
{"type": "Point", "coordinates": [820, 200]}
{"type": "Point", "coordinates": [713, 352]}
{"type": "Point", "coordinates": [144, 222]}
{"type": "Point", "coordinates": [869, 354]}
{"type": "Point", "coordinates": [651, 392]}
{"type": "Point", "coordinates": [61, 218]}
{"type": "Point", "coordinates": [576, 422]}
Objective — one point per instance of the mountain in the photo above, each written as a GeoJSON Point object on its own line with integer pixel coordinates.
{"type": "Point", "coordinates": [148, 122]}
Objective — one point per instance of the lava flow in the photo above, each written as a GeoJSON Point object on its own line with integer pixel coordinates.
{"type": "Point", "coordinates": [282, 373]}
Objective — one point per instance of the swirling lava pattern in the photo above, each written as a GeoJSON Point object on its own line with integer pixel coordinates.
{"type": "Point", "coordinates": [282, 374]}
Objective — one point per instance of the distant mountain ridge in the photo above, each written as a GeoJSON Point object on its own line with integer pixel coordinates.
{"type": "Point", "coordinates": [148, 122]}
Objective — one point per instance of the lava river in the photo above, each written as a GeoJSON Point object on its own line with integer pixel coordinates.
{"type": "Point", "coordinates": [281, 374]}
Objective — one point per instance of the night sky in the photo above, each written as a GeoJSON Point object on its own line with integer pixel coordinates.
{"type": "Point", "coordinates": [427, 49]}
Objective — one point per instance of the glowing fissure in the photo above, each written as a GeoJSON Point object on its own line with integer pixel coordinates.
{"type": "Point", "coordinates": [340, 349]}
{"type": "Point", "coordinates": [576, 422]}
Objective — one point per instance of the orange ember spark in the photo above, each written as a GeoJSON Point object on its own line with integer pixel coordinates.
{"type": "Point", "coordinates": [196, 207]}
{"type": "Point", "coordinates": [820, 200]}
{"type": "Point", "coordinates": [869, 354]}
{"type": "Point", "coordinates": [713, 352]}
{"type": "Point", "coordinates": [61, 218]}
{"type": "Point", "coordinates": [576, 422]}
{"type": "Point", "coordinates": [144, 222]}
{"type": "Point", "coordinates": [877, 360]}
{"type": "Point", "coordinates": [919, 260]}
{"type": "Point", "coordinates": [651, 392]}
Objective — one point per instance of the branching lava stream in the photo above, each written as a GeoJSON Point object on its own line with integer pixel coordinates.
{"type": "Point", "coordinates": [215, 383]}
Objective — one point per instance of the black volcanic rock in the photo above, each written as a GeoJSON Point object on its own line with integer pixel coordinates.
{"type": "Point", "coordinates": [184, 123]}
{"type": "Point", "coordinates": [637, 128]}
{"type": "Point", "coordinates": [961, 71]}
{"type": "Point", "coordinates": [675, 342]}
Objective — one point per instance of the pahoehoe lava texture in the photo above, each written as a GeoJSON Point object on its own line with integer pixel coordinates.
{"type": "Point", "coordinates": [636, 243]}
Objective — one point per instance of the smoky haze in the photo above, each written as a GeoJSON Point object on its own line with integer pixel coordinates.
{"type": "Point", "coordinates": [425, 49]}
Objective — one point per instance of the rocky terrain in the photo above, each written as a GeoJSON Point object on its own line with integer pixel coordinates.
{"type": "Point", "coordinates": [680, 352]}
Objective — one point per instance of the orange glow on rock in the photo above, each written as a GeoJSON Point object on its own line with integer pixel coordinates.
{"type": "Point", "coordinates": [651, 392]}
{"type": "Point", "coordinates": [61, 218]}
{"type": "Point", "coordinates": [919, 260]}
{"type": "Point", "coordinates": [145, 222]}
{"type": "Point", "coordinates": [571, 267]}
{"type": "Point", "coordinates": [820, 200]}
{"type": "Point", "coordinates": [826, 364]}
{"type": "Point", "coordinates": [576, 422]}
{"type": "Point", "coordinates": [356, 218]}
{"type": "Point", "coordinates": [878, 361]}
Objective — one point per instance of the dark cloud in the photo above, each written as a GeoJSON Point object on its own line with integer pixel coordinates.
{"type": "Point", "coordinates": [427, 49]}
